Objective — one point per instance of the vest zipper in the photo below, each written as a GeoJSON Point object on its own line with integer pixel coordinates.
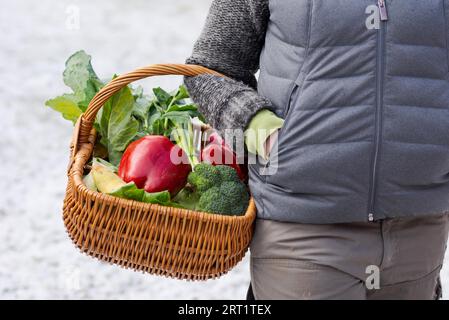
{"type": "Point", "coordinates": [379, 105]}
{"type": "Point", "coordinates": [382, 10]}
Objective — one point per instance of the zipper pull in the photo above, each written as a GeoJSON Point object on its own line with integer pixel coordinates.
{"type": "Point", "coordinates": [383, 10]}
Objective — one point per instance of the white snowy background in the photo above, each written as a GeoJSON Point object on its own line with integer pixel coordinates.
{"type": "Point", "coordinates": [37, 260]}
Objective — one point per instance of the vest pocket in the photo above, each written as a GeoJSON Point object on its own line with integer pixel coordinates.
{"type": "Point", "coordinates": [271, 166]}
{"type": "Point", "coordinates": [287, 108]}
{"type": "Point", "coordinates": [287, 111]}
{"type": "Point", "coordinates": [293, 97]}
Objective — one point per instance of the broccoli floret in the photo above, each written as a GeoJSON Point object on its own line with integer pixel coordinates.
{"type": "Point", "coordinates": [230, 198]}
{"type": "Point", "coordinates": [212, 201]}
{"type": "Point", "coordinates": [237, 194]}
{"type": "Point", "coordinates": [227, 173]}
{"type": "Point", "coordinates": [218, 188]}
{"type": "Point", "coordinates": [204, 177]}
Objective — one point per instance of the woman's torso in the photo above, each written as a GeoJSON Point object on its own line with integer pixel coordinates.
{"type": "Point", "coordinates": [366, 104]}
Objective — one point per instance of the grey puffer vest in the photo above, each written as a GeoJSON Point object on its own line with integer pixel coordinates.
{"type": "Point", "coordinates": [366, 133]}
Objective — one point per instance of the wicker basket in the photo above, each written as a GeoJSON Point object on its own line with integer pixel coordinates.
{"type": "Point", "coordinates": [167, 241]}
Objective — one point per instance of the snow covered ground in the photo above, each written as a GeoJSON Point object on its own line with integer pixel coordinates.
{"type": "Point", "coordinates": [37, 260]}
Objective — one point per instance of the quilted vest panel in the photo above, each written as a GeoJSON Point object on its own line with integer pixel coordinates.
{"type": "Point", "coordinates": [366, 108]}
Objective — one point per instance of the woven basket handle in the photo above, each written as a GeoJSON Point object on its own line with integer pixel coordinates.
{"type": "Point", "coordinates": [88, 118]}
{"type": "Point", "coordinates": [85, 123]}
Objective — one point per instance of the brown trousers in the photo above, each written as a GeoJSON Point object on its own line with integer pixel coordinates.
{"type": "Point", "coordinates": [390, 259]}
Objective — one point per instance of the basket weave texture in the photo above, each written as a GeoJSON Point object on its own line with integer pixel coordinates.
{"type": "Point", "coordinates": [160, 240]}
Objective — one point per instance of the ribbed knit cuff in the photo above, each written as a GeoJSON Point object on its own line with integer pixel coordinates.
{"type": "Point", "coordinates": [226, 103]}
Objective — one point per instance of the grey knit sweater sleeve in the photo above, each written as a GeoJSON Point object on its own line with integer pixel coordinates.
{"type": "Point", "coordinates": [230, 43]}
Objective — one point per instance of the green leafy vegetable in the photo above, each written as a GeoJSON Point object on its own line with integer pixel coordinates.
{"type": "Point", "coordinates": [129, 114]}
{"type": "Point", "coordinates": [189, 108]}
{"type": "Point", "coordinates": [81, 78]}
{"type": "Point", "coordinates": [117, 126]}
{"type": "Point", "coordinates": [171, 115]}
{"type": "Point", "coordinates": [163, 98]}
{"type": "Point", "coordinates": [67, 106]}
{"type": "Point", "coordinates": [130, 191]}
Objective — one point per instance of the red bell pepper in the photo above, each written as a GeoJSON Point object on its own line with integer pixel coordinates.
{"type": "Point", "coordinates": [147, 162]}
{"type": "Point", "coordinates": [217, 152]}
